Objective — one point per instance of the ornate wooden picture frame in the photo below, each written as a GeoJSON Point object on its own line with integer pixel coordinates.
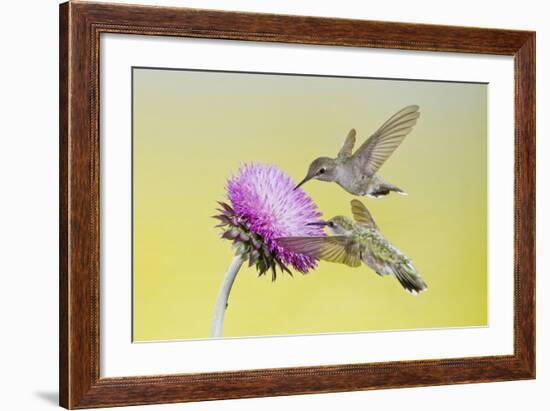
{"type": "Point", "coordinates": [81, 25]}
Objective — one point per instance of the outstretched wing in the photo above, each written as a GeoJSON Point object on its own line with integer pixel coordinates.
{"type": "Point", "coordinates": [347, 147]}
{"type": "Point", "coordinates": [380, 146]}
{"type": "Point", "coordinates": [362, 215]}
{"type": "Point", "coordinates": [336, 249]}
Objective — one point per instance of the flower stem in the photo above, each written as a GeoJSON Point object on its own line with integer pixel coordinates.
{"type": "Point", "coordinates": [223, 295]}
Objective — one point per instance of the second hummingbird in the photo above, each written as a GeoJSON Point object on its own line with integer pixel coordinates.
{"type": "Point", "coordinates": [357, 172]}
{"type": "Point", "coordinates": [356, 242]}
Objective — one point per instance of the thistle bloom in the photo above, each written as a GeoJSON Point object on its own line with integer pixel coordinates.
{"type": "Point", "coordinates": [264, 206]}
{"type": "Point", "coordinates": [264, 199]}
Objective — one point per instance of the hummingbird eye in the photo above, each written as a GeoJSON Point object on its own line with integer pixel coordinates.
{"type": "Point", "coordinates": [331, 224]}
{"type": "Point", "coordinates": [322, 170]}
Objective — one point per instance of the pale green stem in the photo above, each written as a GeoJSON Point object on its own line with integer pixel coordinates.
{"type": "Point", "coordinates": [223, 296]}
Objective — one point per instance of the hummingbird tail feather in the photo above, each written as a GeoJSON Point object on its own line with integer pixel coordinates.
{"type": "Point", "coordinates": [384, 189]}
{"type": "Point", "coordinates": [409, 278]}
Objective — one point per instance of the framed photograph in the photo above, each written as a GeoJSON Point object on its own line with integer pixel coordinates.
{"type": "Point", "coordinates": [258, 205]}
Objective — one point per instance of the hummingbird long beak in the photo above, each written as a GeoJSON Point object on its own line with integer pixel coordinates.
{"type": "Point", "coordinates": [319, 223]}
{"type": "Point", "coordinates": [301, 183]}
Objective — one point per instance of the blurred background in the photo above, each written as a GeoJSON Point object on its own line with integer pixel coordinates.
{"type": "Point", "coordinates": [193, 129]}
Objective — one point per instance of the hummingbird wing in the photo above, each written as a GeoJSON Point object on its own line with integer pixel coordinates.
{"type": "Point", "coordinates": [370, 156]}
{"type": "Point", "coordinates": [347, 147]}
{"type": "Point", "coordinates": [362, 215]}
{"type": "Point", "coordinates": [336, 249]}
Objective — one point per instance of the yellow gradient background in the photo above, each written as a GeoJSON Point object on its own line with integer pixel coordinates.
{"type": "Point", "coordinates": [193, 129]}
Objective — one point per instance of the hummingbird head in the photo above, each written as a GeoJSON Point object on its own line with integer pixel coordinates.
{"type": "Point", "coordinates": [322, 168]}
{"type": "Point", "coordinates": [338, 225]}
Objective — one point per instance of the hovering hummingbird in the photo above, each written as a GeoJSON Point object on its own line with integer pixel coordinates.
{"type": "Point", "coordinates": [353, 242]}
{"type": "Point", "coordinates": [356, 172]}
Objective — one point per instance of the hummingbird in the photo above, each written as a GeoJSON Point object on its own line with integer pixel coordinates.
{"type": "Point", "coordinates": [357, 172]}
{"type": "Point", "coordinates": [355, 242]}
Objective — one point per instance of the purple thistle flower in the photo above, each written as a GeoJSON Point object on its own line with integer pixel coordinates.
{"type": "Point", "coordinates": [265, 206]}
